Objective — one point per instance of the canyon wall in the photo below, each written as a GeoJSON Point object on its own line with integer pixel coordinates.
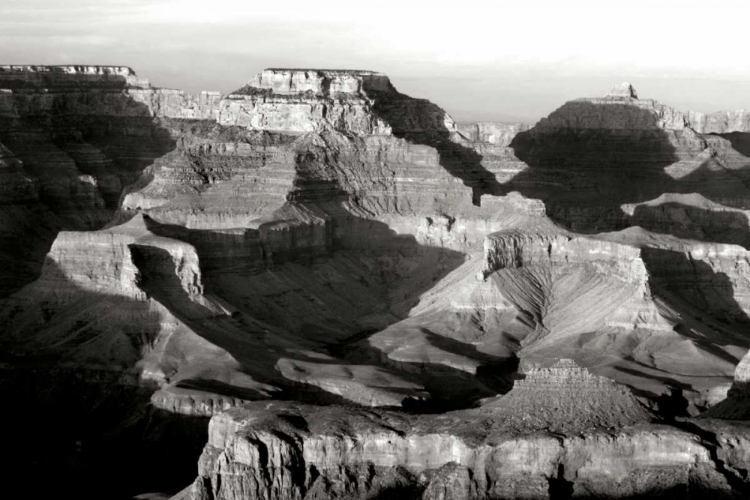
{"type": "Point", "coordinates": [319, 236]}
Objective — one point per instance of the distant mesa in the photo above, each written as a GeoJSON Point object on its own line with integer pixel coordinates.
{"type": "Point", "coordinates": [625, 90]}
{"type": "Point", "coordinates": [319, 81]}
{"type": "Point", "coordinates": [15, 76]}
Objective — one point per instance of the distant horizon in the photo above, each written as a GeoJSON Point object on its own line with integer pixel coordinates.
{"type": "Point", "coordinates": [460, 116]}
{"type": "Point", "coordinates": [480, 61]}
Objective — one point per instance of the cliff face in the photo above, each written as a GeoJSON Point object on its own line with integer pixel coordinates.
{"type": "Point", "coordinates": [559, 432]}
{"type": "Point", "coordinates": [293, 451]}
{"type": "Point", "coordinates": [721, 122]}
{"type": "Point", "coordinates": [319, 236]}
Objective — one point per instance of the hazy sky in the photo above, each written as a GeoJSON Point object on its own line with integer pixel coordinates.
{"type": "Point", "coordinates": [480, 60]}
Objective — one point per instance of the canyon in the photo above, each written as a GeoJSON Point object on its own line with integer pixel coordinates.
{"type": "Point", "coordinates": [319, 287]}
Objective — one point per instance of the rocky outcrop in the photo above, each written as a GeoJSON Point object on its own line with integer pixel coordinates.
{"type": "Point", "coordinates": [565, 398]}
{"type": "Point", "coordinates": [514, 249]}
{"type": "Point", "coordinates": [591, 157]}
{"type": "Point", "coordinates": [623, 90]}
{"type": "Point", "coordinates": [300, 101]}
{"type": "Point", "coordinates": [282, 450]}
{"type": "Point", "coordinates": [320, 81]}
{"type": "Point", "coordinates": [736, 406]}
{"type": "Point", "coordinates": [374, 154]}
{"type": "Point", "coordinates": [107, 262]}
{"type": "Point", "coordinates": [496, 134]}
{"type": "Point", "coordinates": [721, 122]}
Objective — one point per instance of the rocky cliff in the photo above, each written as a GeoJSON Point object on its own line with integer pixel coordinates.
{"type": "Point", "coordinates": [284, 450]}
{"type": "Point", "coordinates": [320, 237]}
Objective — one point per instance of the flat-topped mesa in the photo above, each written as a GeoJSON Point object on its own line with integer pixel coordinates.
{"type": "Point", "coordinates": [94, 92]}
{"type": "Point", "coordinates": [319, 81]}
{"type": "Point", "coordinates": [297, 101]}
{"type": "Point", "coordinates": [624, 110]}
{"type": "Point", "coordinates": [52, 77]}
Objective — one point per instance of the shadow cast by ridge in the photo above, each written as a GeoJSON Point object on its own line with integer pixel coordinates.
{"type": "Point", "coordinates": [419, 121]}
{"type": "Point", "coordinates": [79, 161]}
{"type": "Point", "coordinates": [587, 160]}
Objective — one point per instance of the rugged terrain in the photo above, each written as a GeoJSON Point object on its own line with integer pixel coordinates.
{"type": "Point", "coordinates": [367, 297]}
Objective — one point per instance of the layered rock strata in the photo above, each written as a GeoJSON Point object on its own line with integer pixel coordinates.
{"type": "Point", "coordinates": [283, 450]}
{"type": "Point", "coordinates": [319, 236]}
{"type": "Point", "coordinates": [78, 136]}
{"type": "Point", "coordinates": [565, 398]}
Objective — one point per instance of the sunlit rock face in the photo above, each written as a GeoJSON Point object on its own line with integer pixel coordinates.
{"type": "Point", "coordinates": [721, 122]}
{"type": "Point", "coordinates": [486, 133]}
{"type": "Point", "coordinates": [283, 450]}
{"type": "Point", "coordinates": [300, 101]}
{"type": "Point", "coordinates": [320, 81]}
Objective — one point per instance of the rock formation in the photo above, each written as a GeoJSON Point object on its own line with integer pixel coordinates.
{"type": "Point", "coordinates": [566, 398]}
{"type": "Point", "coordinates": [285, 450]}
{"type": "Point", "coordinates": [736, 406]}
{"type": "Point", "coordinates": [318, 236]}
{"type": "Point", "coordinates": [625, 90]}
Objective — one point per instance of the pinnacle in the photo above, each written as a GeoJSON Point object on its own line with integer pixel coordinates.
{"type": "Point", "coordinates": [624, 89]}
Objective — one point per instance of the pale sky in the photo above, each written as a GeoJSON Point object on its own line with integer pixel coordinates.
{"type": "Point", "coordinates": [480, 60]}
